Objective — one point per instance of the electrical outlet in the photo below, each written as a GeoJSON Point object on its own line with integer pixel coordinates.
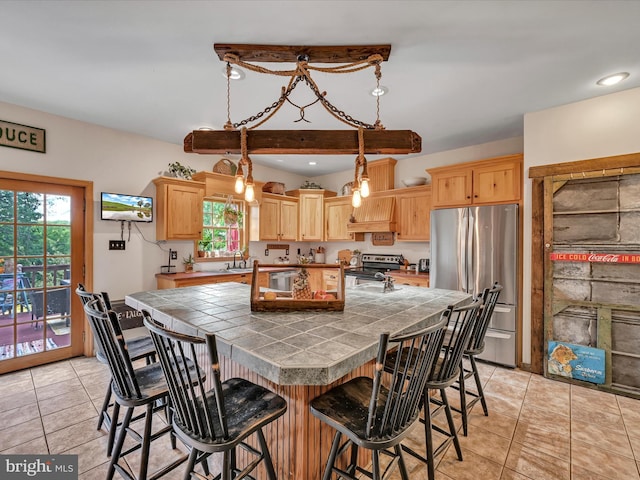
{"type": "Point", "coordinates": [117, 244]}
{"type": "Point", "coordinates": [174, 255]}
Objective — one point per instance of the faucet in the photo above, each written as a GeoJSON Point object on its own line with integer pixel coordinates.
{"type": "Point", "coordinates": [242, 263]}
{"type": "Point", "coordinates": [389, 282]}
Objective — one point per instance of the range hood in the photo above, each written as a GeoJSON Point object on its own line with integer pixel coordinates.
{"type": "Point", "coordinates": [376, 214]}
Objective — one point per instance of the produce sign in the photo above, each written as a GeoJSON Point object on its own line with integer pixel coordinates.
{"type": "Point", "coordinates": [596, 257]}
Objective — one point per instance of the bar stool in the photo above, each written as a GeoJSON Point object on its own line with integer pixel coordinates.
{"type": "Point", "coordinates": [444, 373]}
{"type": "Point", "coordinates": [377, 418]}
{"type": "Point", "coordinates": [138, 348]}
{"type": "Point", "coordinates": [475, 347]}
{"type": "Point", "coordinates": [142, 387]}
{"type": "Point", "coordinates": [217, 420]}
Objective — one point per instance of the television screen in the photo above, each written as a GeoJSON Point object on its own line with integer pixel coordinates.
{"type": "Point", "coordinates": [118, 206]}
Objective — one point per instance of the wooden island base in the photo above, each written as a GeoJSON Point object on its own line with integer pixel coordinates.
{"type": "Point", "coordinates": [298, 442]}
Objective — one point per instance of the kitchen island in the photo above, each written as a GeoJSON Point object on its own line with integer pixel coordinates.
{"type": "Point", "coordinates": [298, 355]}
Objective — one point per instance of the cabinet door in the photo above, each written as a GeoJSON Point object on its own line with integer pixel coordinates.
{"type": "Point", "coordinates": [288, 220]}
{"type": "Point", "coordinates": [311, 217]}
{"type": "Point", "coordinates": [413, 216]}
{"type": "Point", "coordinates": [179, 209]}
{"type": "Point", "coordinates": [337, 215]}
{"type": "Point", "coordinates": [496, 183]}
{"type": "Point", "coordinates": [270, 219]}
{"type": "Point", "coordinates": [452, 188]}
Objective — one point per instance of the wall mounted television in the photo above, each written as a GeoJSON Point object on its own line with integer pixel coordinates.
{"type": "Point", "coordinates": [129, 208]}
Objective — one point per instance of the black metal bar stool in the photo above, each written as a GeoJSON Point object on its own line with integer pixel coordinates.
{"type": "Point", "coordinates": [220, 419]}
{"type": "Point", "coordinates": [144, 387]}
{"type": "Point", "coordinates": [475, 347]}
{"type": "Point", "coordinates": [138, 347]}
{"type": "Point", "coordinates": [377, 418]}
{"type": "Point", "coordinates": [444, 373]}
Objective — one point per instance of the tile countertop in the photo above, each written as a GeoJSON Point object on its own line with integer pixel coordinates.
{"type": "Point", "coordinates": [296, 348]}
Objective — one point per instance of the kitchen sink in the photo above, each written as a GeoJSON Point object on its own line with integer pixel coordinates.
{"type": "Point", "coordinates": [234, 270]}
{"type": "Point", "coordinates": [240, 270]}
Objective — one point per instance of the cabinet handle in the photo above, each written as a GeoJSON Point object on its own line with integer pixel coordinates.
{"type": "Point", "coordinates": [468, 197]}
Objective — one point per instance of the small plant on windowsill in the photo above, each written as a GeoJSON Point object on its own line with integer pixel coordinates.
{"type": "Point", "coordinates": [188, 263]}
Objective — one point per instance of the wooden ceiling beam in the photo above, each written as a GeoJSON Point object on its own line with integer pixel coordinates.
{"type": "Point", "coordinates": [290, 53]}
{"type": "Point", "coordinates": [303, 142]}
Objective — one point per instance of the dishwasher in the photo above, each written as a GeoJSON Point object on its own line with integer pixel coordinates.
{"type": "Point", "coordinates": [281, 280]}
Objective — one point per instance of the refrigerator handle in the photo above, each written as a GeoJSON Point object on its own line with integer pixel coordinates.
{"type": "Point", "coordinates": [463, 261]}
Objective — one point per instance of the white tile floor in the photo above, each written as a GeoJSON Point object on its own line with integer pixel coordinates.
{"type": "Point", "coordinates": [537, 428]}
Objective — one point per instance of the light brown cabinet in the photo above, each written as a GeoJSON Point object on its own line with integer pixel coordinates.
{"type": "Point", "coordinates": [311, 212]}
{"type": "Point", "coordinates": [492, 181]}
{"type": "Point", "coordinates": [178, 208]}
{"type": "Point", "coordinates": [413, 207]}
{"type": "Point", "coordinates": [278, 218]}
{"type": "Point", "coordinates": [382, 174]}
{"type": "Point", "coordinates": [337, 212]}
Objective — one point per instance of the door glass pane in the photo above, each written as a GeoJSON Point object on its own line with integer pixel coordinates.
{"type": "Point", "coordinates": [30, 207]}
{"type": "Point", "coordinates": [35, 273]}
{"type": "Point", "coordinates": [58, 240]}
{"type": "Point", "coordinates": [30, 240]}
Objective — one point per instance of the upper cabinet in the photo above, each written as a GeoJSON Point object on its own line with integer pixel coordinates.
{"type": "Point", "coordinates": [311, 212]}
{"type": "Point", "coordinates": [278, 218]}
{"type": "Point", "coordinates": [337, 211]}
{"type": "Point", "coordinates": [381, 174]}
{"type": "Point", "coordinates": [413, 206]}
{"type": "Point", "coordinates": [491, 181]}
{"type": "Point", "coordinates": [179, 208]}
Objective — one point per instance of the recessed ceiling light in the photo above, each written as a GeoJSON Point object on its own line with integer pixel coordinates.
{"type": "Point", "coordinates": [313, 163]}
{"type": "Point", "coordinates": [610, 80]}
{"type": "Point", "coordinates": [206, 128]}
{"type": "Point", "coordinates": [379, 91]}
{"type": "Point", "coordinates": [236, 73]}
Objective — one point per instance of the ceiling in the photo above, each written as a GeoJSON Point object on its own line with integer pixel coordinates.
{"type": "Point", "coordinates": [460, 73]}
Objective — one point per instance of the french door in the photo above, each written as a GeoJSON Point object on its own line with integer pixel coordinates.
{"type": "Point", "coordinates": [42, 237]}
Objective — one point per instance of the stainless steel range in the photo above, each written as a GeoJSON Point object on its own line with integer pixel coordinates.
{"type": "Point", "coordinates": [373, 263]}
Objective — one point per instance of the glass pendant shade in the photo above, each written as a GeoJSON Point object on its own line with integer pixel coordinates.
{"type": "Point", "coordinates": [239, 185]}
{"type": "Point", "coordinates": [364, 187]}
{"type": "Point", "coordinates": [356, 199]}
{"type": "Point", "coordinates": [249, 194]}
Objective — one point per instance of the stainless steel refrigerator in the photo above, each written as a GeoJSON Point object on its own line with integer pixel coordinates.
{"type": "Point", "coordinates": [471, 248]}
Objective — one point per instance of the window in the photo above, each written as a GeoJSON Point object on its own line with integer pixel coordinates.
{"type": "Point", "coordinates": [223, 228]}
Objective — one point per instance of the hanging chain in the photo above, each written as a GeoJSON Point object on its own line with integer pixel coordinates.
{"type": "Point", "coordinates": [378, 125]}
{"type": "Point", "coordinates": [278, 103]}
{"type": "Point", "coordinates": [302, 72]}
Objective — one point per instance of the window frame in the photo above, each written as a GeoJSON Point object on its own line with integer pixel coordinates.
{"type": "Point", "coordinates": [242, 229]}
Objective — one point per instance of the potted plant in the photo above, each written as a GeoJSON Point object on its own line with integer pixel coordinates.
{"type": "Point", "coordinates": [188, 263]}
{"type": "Point", "coordinates": [181, 171]}
{"type": "Point", "coordinates": [231, 215]}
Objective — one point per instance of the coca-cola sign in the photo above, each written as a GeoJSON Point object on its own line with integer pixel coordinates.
{"type": "Point", "coordinates": [596, 257]}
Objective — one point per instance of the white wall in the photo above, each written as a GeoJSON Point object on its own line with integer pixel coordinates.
{"type": "Point", "coordinates": [599, 127]}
